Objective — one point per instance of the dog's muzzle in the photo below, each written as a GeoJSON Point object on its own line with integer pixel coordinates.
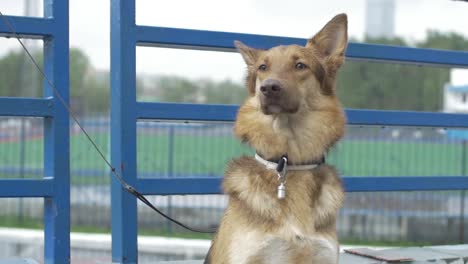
{"type": "Point", "coordinates": [272, 95]}
{"type": "Point", "coordinates": [271, 88]}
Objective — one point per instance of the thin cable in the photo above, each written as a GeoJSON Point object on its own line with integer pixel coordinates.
{"type": "Point", "coordinates": [130, 189]}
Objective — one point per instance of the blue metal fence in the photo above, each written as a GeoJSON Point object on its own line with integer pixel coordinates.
{"type": "Point", "coordinates": [53, 29]}
{"type": "Point", "coordinates": [125, 111]}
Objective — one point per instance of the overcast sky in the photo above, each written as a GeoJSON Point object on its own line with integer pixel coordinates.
{"type": "Point", "coordinates": [89, 21]}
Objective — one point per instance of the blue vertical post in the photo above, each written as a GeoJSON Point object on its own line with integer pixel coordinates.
{"type": "Point", "coordinates": [56, 137]}
{"type": "Point", "coordinates": [123, 130]}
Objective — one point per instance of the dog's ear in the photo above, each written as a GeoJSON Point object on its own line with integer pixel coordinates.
{"type": "Point", "coordinates": [332, 39]}
{"type": "Point", "coordinates": [249, 54]}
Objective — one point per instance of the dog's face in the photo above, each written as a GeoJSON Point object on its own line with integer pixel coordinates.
{"type": "Point", "coordinates": [285, 79]}
{"type": "Point", "coordinates": [285, 76]}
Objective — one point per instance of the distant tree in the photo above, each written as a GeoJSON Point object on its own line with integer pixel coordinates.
{"type": "Point", "coordinates": [18, 77]}
{"type": "Point", "coordinates": [80, 67]}
{"type": "Point", "coordinates": [395, 86]}
{"type": "Point", "coordinates": [440, 40]}
{"type": "Point", "coordinates": [178, 89]}
{"type": "Point", "coordinates": [97, 94]}
{"type": "Point", "coordinates": [225, 92]}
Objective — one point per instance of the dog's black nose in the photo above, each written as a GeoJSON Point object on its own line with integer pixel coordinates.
{"type": "Point", "coordinates": [271, 87]}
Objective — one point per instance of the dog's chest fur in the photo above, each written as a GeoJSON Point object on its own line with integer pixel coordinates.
{"type": "Point", "coordinates": [265, 229]}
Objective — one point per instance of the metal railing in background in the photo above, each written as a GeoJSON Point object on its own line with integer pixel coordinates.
{"type": "Point", "coordinates": [54, 186]}
{"type": "Point", "coordinates": [126, 111]}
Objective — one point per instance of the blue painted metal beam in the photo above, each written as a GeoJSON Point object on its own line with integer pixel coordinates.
{"type": "Point", "coordinates": [224, 41]}
{"type": "Point", "coordinates": [123, 131]}
{"type": "Point", "coordinates": [37, 107]}
{"type": "Point", "coordinates": [205, 40]}
{"type": "Point", "coordinates": [423, 183]}
{"type": "Point", "coordinates": [28, 27]}
{"type": "Point", "coordinates": [173, 186]}
{"type": "Point", "coordinates": [26, 188]}
{"type": "Point", "coordinates": [405, 118]}
{"type": "Point", "coordinates": [407, 55]}
{"type": "Point", "coordinates": [56, 137]}
{"type": "Point", "coordinates": [211, 185]}
{"type": "Point", "coordinates": [192, 112]}
{"type": "Point", "coordinates": [199, 112]}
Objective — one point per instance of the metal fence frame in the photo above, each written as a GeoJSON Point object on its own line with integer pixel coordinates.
{"type": "Point", "coordinates": [125, 111]}
{"type": "Point", "coordinates": [53, 29]}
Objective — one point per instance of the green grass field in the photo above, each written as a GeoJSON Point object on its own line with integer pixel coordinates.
{"type": "Point", "coordinates": [199, 154]}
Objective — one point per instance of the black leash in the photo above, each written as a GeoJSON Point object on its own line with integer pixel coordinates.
{"type": "Point", "coordinates": [130, 189]}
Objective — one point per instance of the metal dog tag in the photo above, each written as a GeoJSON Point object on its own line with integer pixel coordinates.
{"type": "Point", "coordinates": [281, 191]}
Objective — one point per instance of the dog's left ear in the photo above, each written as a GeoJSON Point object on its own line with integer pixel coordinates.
{"type": "Point", "coordinates": [332, 40]}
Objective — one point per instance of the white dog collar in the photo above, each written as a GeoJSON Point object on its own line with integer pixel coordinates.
{"type": "Point", "coordinates": [274, 165]}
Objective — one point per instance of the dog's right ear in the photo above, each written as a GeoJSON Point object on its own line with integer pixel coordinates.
{"type": "Point", "coordinates": [249, 54]}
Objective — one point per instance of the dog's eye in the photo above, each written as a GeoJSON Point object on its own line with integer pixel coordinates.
{"type": "Point", "coordinates": [262, 67]}
{"type": "Point", "coordinates": [300, 66]}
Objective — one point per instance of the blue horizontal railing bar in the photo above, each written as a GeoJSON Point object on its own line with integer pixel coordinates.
{"type": "Point", "coordinates": [26, 187]}
{"type": "Point", "coordinates": [418, 183]}
{"type": "Point", "coordinates": [17, 170]}
{"type": "Point", "coordinates": [405, 118]}
{"type": "Point", "coordinates": [224, 41]}
{"type": "Point", "coordinates": [205, 40]}
{"type": "Point", "coordinates": [179, 186]}
{"type": "Point", "coordinates": [211, 185]}
{"type": "Point", "coordinates": [407, 55]}
{"type": "Point", "coordinates": [28, 27]}
{"type": "Point", "coordinates": [181, 111]}
{"type": "Point", "coordinates": [199, 112]}
{"type": "Point", "coordinates": [37, 107]}
{"type": "Point", "coordinates": [401, 213]}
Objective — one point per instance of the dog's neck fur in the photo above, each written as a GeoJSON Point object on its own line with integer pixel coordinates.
{"type": "Point", "coordinates": [304, 136]}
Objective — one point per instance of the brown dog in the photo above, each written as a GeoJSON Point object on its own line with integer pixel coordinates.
{"type": "Point", "coordinates": [292, 109]}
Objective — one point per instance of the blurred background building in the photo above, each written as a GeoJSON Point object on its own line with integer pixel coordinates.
{"type": "Point", "coordinates": [380, 18]}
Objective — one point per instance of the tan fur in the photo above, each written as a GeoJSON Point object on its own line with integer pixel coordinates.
{"type": "Point", "coordinates": [307, 119]}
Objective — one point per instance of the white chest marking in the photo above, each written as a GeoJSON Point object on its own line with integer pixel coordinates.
{"type": "Point", "coordinates": [244, 246]}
